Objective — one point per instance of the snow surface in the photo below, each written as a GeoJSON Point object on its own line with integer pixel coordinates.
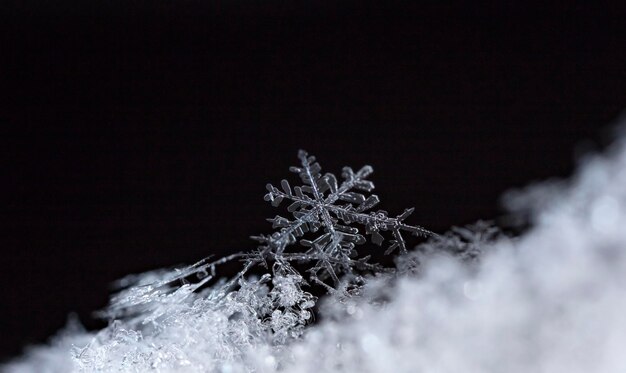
{"type": "Point", "coordinates": [552, 300]}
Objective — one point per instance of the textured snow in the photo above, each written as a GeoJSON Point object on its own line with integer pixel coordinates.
{"type": "Point", "coordinates": [551, 300]}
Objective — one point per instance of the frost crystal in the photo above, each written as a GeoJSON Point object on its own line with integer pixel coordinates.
{"type": "Point", "coordinates": [323, 204]}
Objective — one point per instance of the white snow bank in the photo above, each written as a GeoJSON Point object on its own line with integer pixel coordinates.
{"type": "Point", "coordinates": [551, 301]}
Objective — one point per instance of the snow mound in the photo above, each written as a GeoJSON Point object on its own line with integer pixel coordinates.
{"type": "Point", "coordinates": [472, 300]}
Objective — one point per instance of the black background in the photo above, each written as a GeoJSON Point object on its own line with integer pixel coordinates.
{"type": "Point", "coordinates": [141, 134]}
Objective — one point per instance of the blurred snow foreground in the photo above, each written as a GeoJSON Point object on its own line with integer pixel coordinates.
{"type": "Point", "coordinates": [471, 300]}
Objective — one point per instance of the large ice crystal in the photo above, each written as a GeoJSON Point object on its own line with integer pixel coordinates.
{"type": "Point", "coordinates": [317, 205]}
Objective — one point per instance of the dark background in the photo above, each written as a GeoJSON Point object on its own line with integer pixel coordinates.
{"type": "Point", "coordinates": [141, 134]}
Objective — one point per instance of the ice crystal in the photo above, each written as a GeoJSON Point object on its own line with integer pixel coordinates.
{"type": "Point", "coordinates": [465, 243]}
{"type": "Point", "coordinates": [325, 207]}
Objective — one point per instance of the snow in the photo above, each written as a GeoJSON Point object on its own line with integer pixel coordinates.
{"type": "Point", "coordinates": [472, 300]}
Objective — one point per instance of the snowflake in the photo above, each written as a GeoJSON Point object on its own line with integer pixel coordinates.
{"type": "Point", "coordinates": [317, 206]}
